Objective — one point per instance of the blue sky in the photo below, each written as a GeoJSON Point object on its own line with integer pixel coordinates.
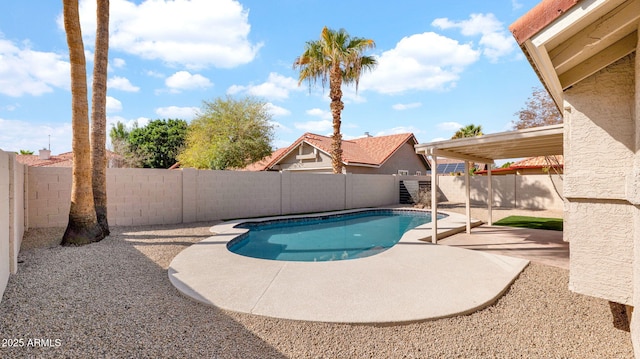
{"type": "Point", "coordinates": [442, 64]}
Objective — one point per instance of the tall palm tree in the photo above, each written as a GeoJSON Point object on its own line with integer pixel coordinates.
{"type": "Point", "coordinates": [83, 225]}
{"type": "Point", "coordinates": [468, 131]}
{"type": "Point", "coordinates": [339, 58]}
{"type": "Point", "coordinates": [99, 115]}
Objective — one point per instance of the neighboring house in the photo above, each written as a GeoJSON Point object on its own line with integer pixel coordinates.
{"type": "Point", "coordinates": [393, 154]}
{"type": "Point", "coordinates": [585, 54]}
{"type": "Point", "coordinates": [45, 159]}
{"type": "Point", "coordinates": [531, 166]}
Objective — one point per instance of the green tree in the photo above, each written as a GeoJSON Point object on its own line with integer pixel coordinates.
{"type": "Point", "coordinates": [228, 133]}
{"type": "Point", "coordinates": [339, 58]}
{"type": "Point", "coordinates": [468, 131]}
{"type": "Point", "coordinates": [26, 152]}
{"type": "Point", "coordinates": [159, 142]}
{"type": "Point", "coordinates": [119, 136]}
{"type": "Point", "coordinates": [539, 110]}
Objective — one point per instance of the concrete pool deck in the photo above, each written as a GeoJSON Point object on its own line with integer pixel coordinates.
{"type": "Point", "coordinates": [412, 281]}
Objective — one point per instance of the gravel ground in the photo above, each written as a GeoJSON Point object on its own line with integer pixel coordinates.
{"type": "Point", "coordinates": [114, 299]}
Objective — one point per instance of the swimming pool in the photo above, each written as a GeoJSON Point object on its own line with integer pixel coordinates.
{"type": "Point", "coordinates": [327, 237]}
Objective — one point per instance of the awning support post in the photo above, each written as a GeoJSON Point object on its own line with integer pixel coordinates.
{"type": "Point", "coordinates": [434, 199]}
{"type": "Point", "coordinates": [489, 196]}
{"type": "Point", "coordinates": [467, 196]}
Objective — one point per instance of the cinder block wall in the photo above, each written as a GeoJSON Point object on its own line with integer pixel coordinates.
{"type": "Point", "coordinates": [17, 223]}
{"type": "Point", "coordinates": [509, 191]}
{"type": "Point", "coordinates": [5, 259]}
{"type": "Point", "coordinates": [231, 194]}
{"type": "Point", "coordinates": [370, 190]}
{"type": "Point", "coordinates": [137, 196]}
{"type": "Point", "coordinates": [49, 196]}
{"type": "Point", "coordinates": [312, 192]}
{"type": "Point", "coordinates": [12, 223]}
{"type": "Point", "coordinates": [158, 196]}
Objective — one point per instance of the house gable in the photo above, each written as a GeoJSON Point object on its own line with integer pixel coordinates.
{"type": "Point", "coordinates": [382, 154]}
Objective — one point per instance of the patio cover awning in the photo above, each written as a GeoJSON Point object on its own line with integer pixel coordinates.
{"type": "Point", "coordinates": [539, 141]}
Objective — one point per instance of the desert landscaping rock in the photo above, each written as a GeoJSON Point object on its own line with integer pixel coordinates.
{"type": "Point", "coordinates": [114, 299]}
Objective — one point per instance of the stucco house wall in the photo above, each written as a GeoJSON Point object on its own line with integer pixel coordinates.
{"type": "Point", "coordinates": [404, 158]}
{"type": "Point", "coordinates": [600, 151]}
{"type": "Point", "coordinates": [321, 162]}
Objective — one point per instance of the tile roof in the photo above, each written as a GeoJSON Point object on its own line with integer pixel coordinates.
{"type": "Point", "coordinates": [263, 164]}
{"type": "Point", "coordinates": [62, 160]}
{"type": "Point", "coordinates": [538, 162]}
{"type": "Point", "coordinates": [364, 151]}
{"type": "Point", "coordinates": [539, 17]}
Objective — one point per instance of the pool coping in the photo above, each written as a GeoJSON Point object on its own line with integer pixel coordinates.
{"type": "Point", "coordinates": [412, 281]}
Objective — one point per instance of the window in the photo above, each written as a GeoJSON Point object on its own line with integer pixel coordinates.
{"type": "Point", "coordinates": [403, 172]}
{"type": "Point", "coordinates": [418, 173]}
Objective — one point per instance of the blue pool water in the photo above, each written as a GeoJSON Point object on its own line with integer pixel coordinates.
{"type": "Point", "coordinates": [327, 238]}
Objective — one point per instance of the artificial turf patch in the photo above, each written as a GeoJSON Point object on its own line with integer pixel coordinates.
{"type": "Point", "coordinates": [554, 224]}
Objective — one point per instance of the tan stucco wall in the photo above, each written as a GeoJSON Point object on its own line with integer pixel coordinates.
{"type": "Point", "coordinates": [321, 162]}
{"type": "Point", "coordinates": [599, 149]}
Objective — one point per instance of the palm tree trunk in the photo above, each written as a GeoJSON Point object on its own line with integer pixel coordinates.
{"type": "Point", "coordinates": [83, 226]}
{"type": "Point", "coordinates": [335, 93]}
{"type": "Point", "coordinates": [99, 115]}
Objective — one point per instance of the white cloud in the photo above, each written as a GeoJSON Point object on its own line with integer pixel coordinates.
{"type": "Point", "coordinates": [184, 80]}
{"type": "Point", "coordinates": [323, 114]}
{"type": "Point", "coordinates": [196, 33]}
{"type": "Point", "coordinates": [281, 144]}
{"type": "Point", "coordinates": [449, 126]}
{"type": "Point", "coordinates": [129, 123]}
{"type": "Point", "coordinates": [122, 84]}
{"type": "Point", "coordinates": [277, 87]}
{"type": "Point", "coordinates": [153, 73]}
{"type": "Point", "coordinates": [314, 126]}
{"type": "Point", "coordinates": [495, 41]}
{"type": "Point", "coordinates": [184, 113]}
{"type": "Point", "coordinates": [516, 5]}
{"type": "Point", "coordinates": [113, 105]}
{"type": "Point", "coordinates": [20, 135]}
{"type": "Point", "coordinates": [25, 71]}
{"type": "Point", "coordinates": [406, 106]}
{"type": "Point", "coordinates": [399, 130]}
{"type": "Point", "coordinates": [118, 62]}
{"type": "Point", "coordinates": [426, 61]}
{"type": "Point", "coordinates": [278, 126]}
{"type": "Point", "coordinates": [277, 111]}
